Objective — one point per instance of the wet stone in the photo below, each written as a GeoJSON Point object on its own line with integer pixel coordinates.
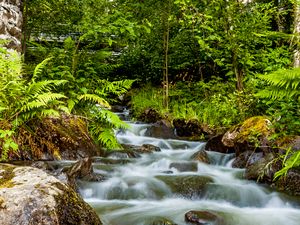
{"type": "Point", "coordinates": [203, 218]}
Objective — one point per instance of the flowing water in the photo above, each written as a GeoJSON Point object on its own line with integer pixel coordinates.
{"type": "Point", "coordinates": [139, 191]}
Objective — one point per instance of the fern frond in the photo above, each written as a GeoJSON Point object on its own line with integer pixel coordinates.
{"type": "Point", "coordinates": [39, 68]}
{"type": "Point", "coordinates": [112, 119]}
{"type": "Point", "coordinates": [42, 86]}
{"type": "Point", "coordinates": [48, 97]}
{"type": "Point", "coordinates": [108, 139]}
{"type": "Point", "coordinates": [95, 99]}
{"type": "Point", "coordinates": [283, 83]}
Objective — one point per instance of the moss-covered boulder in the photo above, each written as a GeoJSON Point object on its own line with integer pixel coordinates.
{"type": "Point", "coordinates": [192, 186]}
{"type": "Point", "coordinates": [64, 138]}
{"type": "Point", "coordinates": [250, 135]}
{"type": "Point", "coordinates": [30, 196]}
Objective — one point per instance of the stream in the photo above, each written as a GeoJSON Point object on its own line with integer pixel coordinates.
{"type": "Point", "coordinates": [141, 191]}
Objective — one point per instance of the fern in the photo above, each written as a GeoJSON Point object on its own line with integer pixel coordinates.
{"type": "Point", "coordinates": [40, 68]}
{"type": "Point", "coordinates": [95, 99]}
{"type": "Point", "coordinates": [283, 84]}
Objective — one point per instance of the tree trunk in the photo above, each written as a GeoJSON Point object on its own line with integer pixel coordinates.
{"type": "Point", "coordinates": [11, 23]}
{"type": "Point", "coordinates": [296, 38]}
{"type": "Point", "coordinates": [166, 55]}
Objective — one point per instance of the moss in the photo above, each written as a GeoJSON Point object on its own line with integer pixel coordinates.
{"type": "Point", "coordinates": [72, 210]}
{"type": "Point", "coordinates": [6, 176]}
{"type": "Point", "coordinates": [252, 128]}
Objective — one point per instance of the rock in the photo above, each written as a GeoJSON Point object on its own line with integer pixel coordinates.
{"type": "Point", "coordinates": [184, 166]}
{"type": "Point", "coordinates": [161, 129]}
{"type": "Point", "coordinates": [192, 186]}
{"type": "Point", "coordinates": [203, 218]}
{"type": "Point", "coordinates": [111, 161]}
{"type": "Point", "coordinates": [162, 221]}
{"type": "Point", "coordinates": [11, 23]}
{"type": "Point", "coordinates": [290, 183]}
{"type": "Point", "coordinates": [82, 169]}
{"type": "Point", "coordinates": [30, 196]}
{"type": "Point", "coordinates": [145, 148]}
{"type": "Point", "coordinates": [123, 154]}
{"type": "Point", "coordinates": [201, 156]}
{"type": "Point", "coordinates": [117, 108]}
{"type": "Point", "coordinates": [251, 135]}
{"type": "Point", "coordinates": [64, 138]}
{"type": "Point", "coordinates": [246, 159]}
{"type": "Point", "coordinates": [215, 144]}
{"type": "Point", "coordinates": [263, 170]}
{"type": "Point", "coordinates": [150, 116]}
{"type": "Point", "coordinates": [187, 128]}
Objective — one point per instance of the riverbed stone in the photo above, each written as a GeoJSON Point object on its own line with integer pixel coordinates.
{"type": "Point", "coordinates": [203, 218]}
{"type": "Point", "coordinates": [161, 129]}
{"type": "Point", "coordinates": [162, 221]}
{"type": "Point", "coordinates": [201, 156]}
{"type": "Point", "coordinates": [189, 186]}
{"type": "Point", "coordinates": [264, 169]}
{"type": "Point", "coordinates": [187, 128]}
{"type": "Point", "coordinates": [290, 183]}
{"type": "Point", "coordinates": [150, 115]}
{"type": "Point", "coordinates": [29, 196]}
{"type": "Point", "coordinates": [184, 166]}
{"type": "Point", "coordinates": [215, 144]}
{"type": "Point", "coordinates": [145, 148]}
{"type": "Point", "coordinates": [246, 159]}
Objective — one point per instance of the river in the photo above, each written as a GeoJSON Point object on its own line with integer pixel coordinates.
{"type": "Point", "coordinates": [141, 190]}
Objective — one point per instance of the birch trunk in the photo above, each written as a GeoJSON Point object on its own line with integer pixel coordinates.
{"type": "Point", "coordinates": [296, 34]}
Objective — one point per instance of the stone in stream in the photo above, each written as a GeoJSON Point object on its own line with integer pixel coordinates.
{"type": "Point", "coordinates": [30, 196]}
{"type": "Point", "coordinates": [184, 166]}
{"type": "Point", "coordinates": [150, 116]}
{"type": "Point", "coordinates": [215, 144]}
{"type": "Point", "coordinates": [161, 129]}
{"type": "Point", "coordinates": [201, 156]}
{"type": "Point", "coordinates": [189, 186]}
{"type": "Point", "coordinates": [203, 218]}
{"type": "Point", "coordinates": [163, 221]}
{"type": "Point", "coordinates": [145, 148]}
{"type": "Point", "coordinates": [246, 159]}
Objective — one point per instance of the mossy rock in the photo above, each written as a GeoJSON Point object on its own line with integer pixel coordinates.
{"type": "Point", "coordinates": [192, 186]}
{"type": "Point", "coordinates": [65, 138]}
{"type": "Point", "coordinates": [252, 134]}
{"type": "Point", "coordinates": [35, 197]}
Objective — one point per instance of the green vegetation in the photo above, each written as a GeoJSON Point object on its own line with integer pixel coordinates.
{"type": "Point", "coordinates": [218, 62]}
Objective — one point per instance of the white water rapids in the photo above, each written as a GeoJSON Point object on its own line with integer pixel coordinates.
{"type": "Point", "coordinates": [133, 195]}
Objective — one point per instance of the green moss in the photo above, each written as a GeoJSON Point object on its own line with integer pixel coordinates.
{"type": "Point", "coordinates": [6, 176]}
{"type": "Point", "coordinates": [252, 128]}
{"type": "Point", "coordinates": [72, 210]}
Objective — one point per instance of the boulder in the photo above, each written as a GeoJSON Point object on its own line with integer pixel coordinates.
{"type": "Point", "coordinates": [184, 166]}
{"type": "Point", "coordinates": [161, 129]}
{"type": "Point", "coordinates": [29, 196]}
{"type": "Point", "coordinates": [263, 170]}
{"type": "Point", "coordinates": [201, 156]}
{"type": "Point", "coordinates": [289, 183]}
{"type": "Point", "coordinates": [64, 138]}
{"type": "Point", "coordinates": [203, 218]}
{"type": "Point", "coordinates": [150, 116]}
{"type": "Point", "coordinates": [191, 186]}
{"type": "Point", "coordinates": [189, 128]}
{"type": "Point", "coordinates": [145, 148]}
{"type": "Point", "coordinates": [162, 221]}
{"type": "Point", "coordinates": [251, 135]}
{"type": "Point", "coordinates": [82, 169]}
{"type": "Point", "coordinates": [246, 159]}
{"type": "Point", "coordinates": [215, 144]}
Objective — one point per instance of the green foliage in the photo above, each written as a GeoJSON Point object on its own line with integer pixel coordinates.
{"type": "Point", "coordinates": [282, 84]}
{"type": "Point", "coordinates": [214, 103]}
{"type": "Point", "coordinates": [291, 160]}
